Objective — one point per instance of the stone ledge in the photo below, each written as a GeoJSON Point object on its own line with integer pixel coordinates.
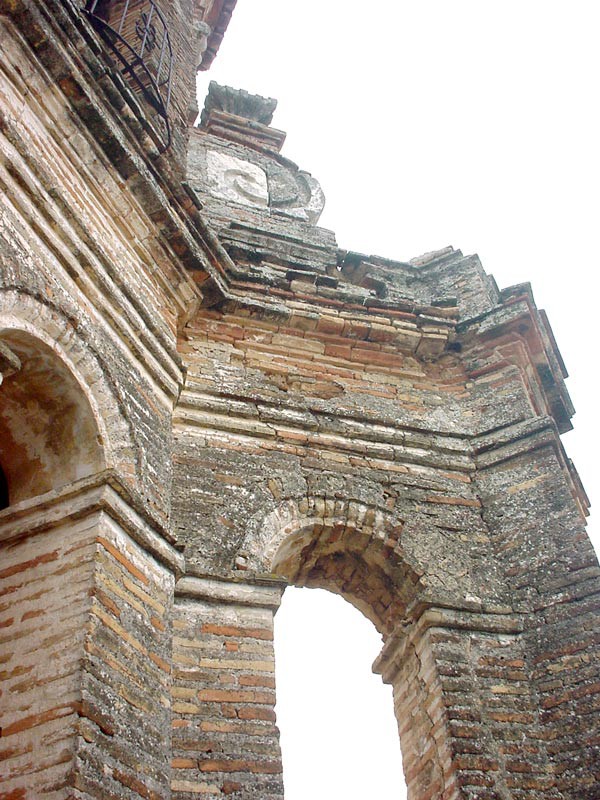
{"type": "Point", "coordinates": [264, 595]}
{"type": "Point", "coordinates": [404, 451]}
{"type": "Point", "coordinates": [525, 437]}
{"type": "Point", "coordinates": [102, 492]}
{"type": "Point", "coordinates": [476, 616]}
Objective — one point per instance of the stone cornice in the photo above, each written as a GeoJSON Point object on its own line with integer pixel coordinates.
{"type": "Point", "coordinates": [353, 435]}
{"type": "Point", "coordinates": [517, 319]}
{"type": "Point", "coordinates": [103, 492]}
{"type": "Point", "coordinates": [413, 329]}
{"type": "Point", "coordinates": [266, 594]}
{"type": "Point", "coordinates": [515, 441]}
{"type": "Point", "coordinates": [472, 616]}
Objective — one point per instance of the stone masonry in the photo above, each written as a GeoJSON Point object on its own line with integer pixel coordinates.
{"type": "Point", "coordinates": [203, 400]}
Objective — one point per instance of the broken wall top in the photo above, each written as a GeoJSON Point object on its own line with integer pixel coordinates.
{"type": "Point", "coordinates": [264, 210]}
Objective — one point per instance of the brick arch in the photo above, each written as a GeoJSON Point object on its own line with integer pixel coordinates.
{"type": "Point", "coordinates": [48, 434]}
{"type": "Point", "coordinates": [44, 332]}
{"type": "Point", "coordinates": [344, 545]}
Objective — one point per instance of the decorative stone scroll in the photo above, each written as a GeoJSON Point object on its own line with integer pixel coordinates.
{"type": "Point", "coordinates": [284, 190]}
{"type": "Point", "coordinates": [235, 180]}
{"type": "Point", "coordinates": [235, 124]}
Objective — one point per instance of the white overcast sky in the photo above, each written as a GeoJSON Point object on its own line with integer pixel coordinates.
{"type": "Point", "coordinates": [432, 122]}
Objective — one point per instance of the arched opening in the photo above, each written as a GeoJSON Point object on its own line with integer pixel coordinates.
{"type": "Point", "coordinates": [355, 555]}
{"type": "Point", "coordinates": [48, 433]}
{"type": "Point", "coordinates": [350, 559]}
{"type": "Point", "coordinates": [334, 714]}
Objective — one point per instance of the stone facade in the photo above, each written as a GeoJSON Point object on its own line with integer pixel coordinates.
{"type": "Point", "coordinates": [204, 400]}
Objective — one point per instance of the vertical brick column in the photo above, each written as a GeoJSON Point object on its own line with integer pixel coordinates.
{"type": "Point", "coordinates": [46, 580]}
{"type": "Point", "coordinates": [87, 586]}
{"type": "Point", "coordinates": [467, 709]}
{"type": "Point", "coordinates": [126, 689]}
{"type": "Point", "coordinates": [225, 740]}
{"type": "Point", "coordinates": [534, 508]}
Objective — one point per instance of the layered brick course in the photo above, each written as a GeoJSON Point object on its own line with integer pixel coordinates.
{"type": "Point", "coordinates": [224, 734]}
{"type": "Point", "coordinates": [46, 584]}
{"type": "Point", "coordinates": [127, 676]}
{"type": "Point", "coordinates": [86, 667]}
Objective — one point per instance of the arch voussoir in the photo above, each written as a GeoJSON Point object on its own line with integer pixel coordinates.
{"type": "Point", "coordinates": [342, 544]}
{"type": "Point", "coordinates": [47, 324]}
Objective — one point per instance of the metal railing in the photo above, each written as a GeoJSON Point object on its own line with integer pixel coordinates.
{"type": "Point", "coordinates": [137, 33]}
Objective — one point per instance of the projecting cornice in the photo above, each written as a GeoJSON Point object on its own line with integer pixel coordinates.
{"type": "Point", "coordinates": [218, 19]}
{"type": "Point", "coordinates": [514, 333]}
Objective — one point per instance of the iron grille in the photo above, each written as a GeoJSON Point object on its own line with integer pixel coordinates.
{"type": "Point", "coordinates": [137, 33]}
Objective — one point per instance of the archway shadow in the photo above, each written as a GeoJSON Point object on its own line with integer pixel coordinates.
{"type": "Point", "coordinates": [49, 436]}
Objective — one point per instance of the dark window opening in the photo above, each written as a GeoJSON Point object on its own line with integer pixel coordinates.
{"type": "Point", "coordinates": [136, 32]}
{"type": "Point", "coordinates": [4, 501]}
{"type": "Point", "coordinates": [101, 8]}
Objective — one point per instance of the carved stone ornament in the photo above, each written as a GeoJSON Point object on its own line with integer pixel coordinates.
{"type": "Point", "coordinates": [239, 103]}
{"type": "Point", "coordinates": [235, 180]}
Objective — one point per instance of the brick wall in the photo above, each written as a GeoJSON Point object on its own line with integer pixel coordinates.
{"type": "Point", "coordinates": [225, 741]}
{"type": "Point", "coordinates": [552, 568]}
{"type": "Point", "coordinates": [125, 740]}
{"type": "Point", "coordinates": [386, 430]}
{"type": "Point", "coordinates": [46, 582]}
{"type": "Point", "coordinates": [88, 589]}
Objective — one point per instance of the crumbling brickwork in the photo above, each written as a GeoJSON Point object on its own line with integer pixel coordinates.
{"type": "Point", "coordinates": [204, 399]}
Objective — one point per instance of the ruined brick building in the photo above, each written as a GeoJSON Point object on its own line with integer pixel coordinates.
{"type": "Point", "coordinates": [203, 400]}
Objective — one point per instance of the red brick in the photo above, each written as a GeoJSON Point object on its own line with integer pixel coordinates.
{"type": "Point", "coordinates": [242, 633]}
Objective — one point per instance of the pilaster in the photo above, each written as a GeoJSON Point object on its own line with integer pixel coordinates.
{"type": "Point", "coordinates": [87, 583]}
{"type": "Point", "coordinates": [225, 741]}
